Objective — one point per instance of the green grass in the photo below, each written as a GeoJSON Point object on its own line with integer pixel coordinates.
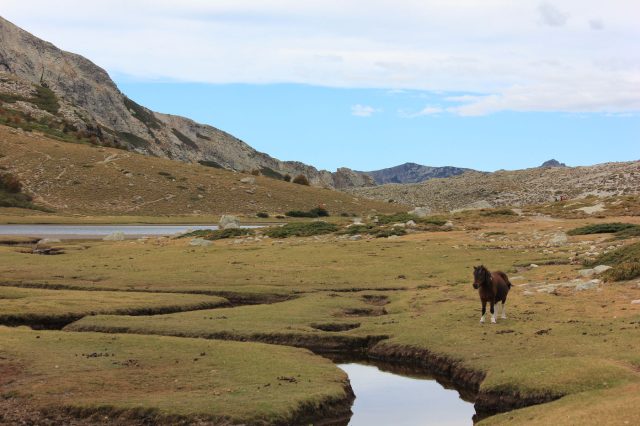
{"type": "Point", "coordinates": [165, 379]}
{"type": "Point", "coordinates": [307, 229]}
{"type": "Point", "coordinates": [604, 228]}
{"type": "Point", "coordinates": [26, 305]}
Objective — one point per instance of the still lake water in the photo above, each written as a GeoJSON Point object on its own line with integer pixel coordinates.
{"type": "Point", "coordinates": [384, 398]}
{"type": "Point", "coordinates": [96, 231]}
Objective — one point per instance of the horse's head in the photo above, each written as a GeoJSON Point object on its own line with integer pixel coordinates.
{"type": "Point", "coordinates": [479, 276]}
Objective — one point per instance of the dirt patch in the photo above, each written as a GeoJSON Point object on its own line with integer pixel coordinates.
{"type": "Point", "coordinates": [364, 312]}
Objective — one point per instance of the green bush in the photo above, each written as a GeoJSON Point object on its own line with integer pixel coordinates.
{"type": "Point", "coordinates": [301, 180]}
{"type": "Point", "coordinates": [623, 272]}
{"type": "Point", "coordinates": [397, 218]}
{"type": "Point", "coordinates": [219, 234]}
{"type": "Point", "coordinates": [313, 213]}
{"type": "Point", "coordinates": [630, 253]}
{"type": "Point", "coordinates": [388, 232]}
{"type": "Point", "coordinates": [263, 215]}
{"type": "Point", "coordinates": [301, 229]}
{"type": "Point", "coordinates": [602, 228]}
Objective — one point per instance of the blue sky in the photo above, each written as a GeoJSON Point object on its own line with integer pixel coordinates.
{"type": "Point", "coordinates": [374, 83]}
{"type": "Point", "coordinates": [319, 126]}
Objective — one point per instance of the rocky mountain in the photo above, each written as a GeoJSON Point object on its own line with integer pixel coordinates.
{"type": "Point", "coordinates": [513, 188]}
{"type": "Point", "coordinates": [553, 163]}
{"type": "Point", "coordinates": [413, 173]}
{"type": "Point", "coordinates": [68, 97]}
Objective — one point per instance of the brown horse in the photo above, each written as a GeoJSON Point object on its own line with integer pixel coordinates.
{"type": "Point", "coordinates": [493, 287]}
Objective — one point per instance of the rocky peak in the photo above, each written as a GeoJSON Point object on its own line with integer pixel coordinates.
{"type": "Point", "coordinates": [553, 163]}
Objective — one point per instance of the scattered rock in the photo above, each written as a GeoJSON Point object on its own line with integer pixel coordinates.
{"type": "Point", "coordinates": [448, 225]}
{"type": "Point", "coordinates": [589, 285]}
{"type": "Point", "coordinates": [200, 242]}
{"type": "Point", "coordinates": [601, 268]}
{"type": "Point", "coordinates": [635, 302]}
{"type": "Point", "coordinates": [250, 180]}
{"type": "Point", "coordinates": [229, 222]}
{"type": "Point", "coordinates": [559, 239]}
{"type": "Point", "coordinates": [421, 211]}
{"type": "Point", "coordinates": [528, 293]}
{"type": "Point", "coordinates": [410, 224]}
{"type": "Point", "coordinates": [533, 265]}
{"type": "Point", "coordinates": [587, 272]}
{"type": "Point", "coordinates": [49, 241]}
{"type": "Point", "coordinates": [115, 236]}
{"type": "Point", "coordinates": [356, 237]}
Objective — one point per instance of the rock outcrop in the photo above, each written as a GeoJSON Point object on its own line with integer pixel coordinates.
{"type": "Point", "coordinates": [68, 96]}
{"type": "Point", "coordinates": [413, 173]}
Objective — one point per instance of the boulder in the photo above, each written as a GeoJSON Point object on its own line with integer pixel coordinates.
{"type": "Point", "coordinates": [250, 180]}
{"type": "Point", "coordinates": [229, 222]}
{"type": "Point", "coordinates": [421, 211]}
{"type": "Point", "coordinates": [448, 225]}
{"type": "Point", "coordinates": [586, 272]}
{"type": "Point", "coordinates": [410, 224]}
{"type": "Point", "coordinates": [200, 242]}
{"type": "Point", "coordinates": [115, 236]}
{"type": "Point", "coordinates": [559, 239]}
{"type": "Point", "coordinates": [49, 241]}
{"type": "Point", "coordinates": [601, 268]}
{"type": "Point", "coordinates": [356, 237]}
{"type": "Point", "coordinates": [589, 285]}
{"type": "Point", "coordinates": [635, 302]}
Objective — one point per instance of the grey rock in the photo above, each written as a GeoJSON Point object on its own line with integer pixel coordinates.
{"type": "Point", "coordinates": [410, 224]}
{"type": "Point", "coordinates": [200, 242]}
{"type": "Point", "coordinates": [421, 211]}
{"type": "Point", "coordinates": [601, 268]}
{"type": "Point", "coordinates": [49, 241]}
{"type": "Point", "coordinates": [356, 237]}
{"type": "Point", "coordinates": [589, 285]}
{"type": "Point", "coordinates": [586, 272]}
{"type": "Point", "coordinates": [559, 239]}
{"type": "Point", "coordinates": [249, 179]}
{"type": "Point", "coordinates": [115, 236]}
{"type": "Point", "coordinates": [228, 222]}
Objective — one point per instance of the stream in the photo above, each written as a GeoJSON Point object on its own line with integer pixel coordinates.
{"type": "Point", "coordinates": [394, 398]}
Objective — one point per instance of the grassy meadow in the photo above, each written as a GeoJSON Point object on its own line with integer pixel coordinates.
{"type": "Point", "coordinates": [405, 297]}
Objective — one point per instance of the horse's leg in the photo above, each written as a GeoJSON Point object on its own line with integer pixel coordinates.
{"type": "Point", "coordinates": [484, 310]}
{"type": "Point", "coordinates": [504, 315]}
{"type": "Point", "coordinates": [493, 314]}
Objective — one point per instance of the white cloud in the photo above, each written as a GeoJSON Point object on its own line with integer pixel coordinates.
{"type": "Point", "coordinates": [497, 48]}
{"type": "Point", "coordinates": [551, 16]}
{"type": "Point", "coordinates": [428, 110]}
{"type": "Point", "coordinates": [363, 110]}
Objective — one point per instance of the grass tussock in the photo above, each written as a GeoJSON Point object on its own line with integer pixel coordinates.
{"type": "Point", "coordinates": [301, 230]}
{"type": "Point", "coordinates": [625, 262]}
{"type": "Point", "coordinates": [606, 228]}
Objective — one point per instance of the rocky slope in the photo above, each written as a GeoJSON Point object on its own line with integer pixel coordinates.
{"type": "Point", "coordinates": [413, 173]}
{"type": "Point", "coordinates": [513, 188]}
{"type": "Point", "coordinates": [68, 97]}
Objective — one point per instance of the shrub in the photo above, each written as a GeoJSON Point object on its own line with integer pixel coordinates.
{"type": "Point", "coordinates": [497, 212]}
{"type": "Point", "coordinates": [10, 183]}
{"type": "Point", "coordinates": [263, 215]}
{"type": "Point", "coordinates": [397, 218]}
{"type": "Point", "coordinates": [388, 232]}
{"type": "Point", "coordinates": [630, 253]}
{"type": "Point", "coordinates": [603, 228]}
{"type": "Point", "coordinates": [219, 234]}
{"type": "Point", "coordinates": [623, 272]}
{"type": "Point", "coordinates": [320, 212]}
{"type": "Point", "coordinates": [301, 229]}
{"type": "Point", "coordinates": [301, 180]}
{"type": "Point", "coordinates": [255, 172]}
{"type": "Point", "coordinates": [287, 178]}
{"type": "Point", "coordinates": [313, 213]}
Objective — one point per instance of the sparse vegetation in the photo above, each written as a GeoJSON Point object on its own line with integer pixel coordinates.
{"type": "Point", "coordinates": [625, 262]}
{"type": "Point", "coordinates": [210, 163]}
{"type": "Point", "coordinates": [306, 229]}
{"type": "Point", "coordinates": [497, 212]}
{"type": "Point", "coordinates": [185, 139]}
{"type": "Point", "coordinates": [142, 114]}
{"type": "Point", "coordinates": [11, 194]}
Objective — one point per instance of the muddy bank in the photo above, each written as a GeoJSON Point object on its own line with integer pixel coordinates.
{"type": "Point", "coordinates": [466, 380]}
{"type": "Point", "coordinates": [235, 298]}
{"type": "Point", "coordinates": [58, 322]}
{"type": "Point", "coordinates": [17, 410]}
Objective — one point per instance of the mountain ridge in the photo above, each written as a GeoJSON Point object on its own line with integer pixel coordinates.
{"type": "Point", "coordinates": [413, 173]}
{"type": "Point", "coordinates": [83, 99]}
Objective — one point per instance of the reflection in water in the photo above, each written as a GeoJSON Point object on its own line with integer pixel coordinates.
{"type": "Point", "coordinates": [384, 398]}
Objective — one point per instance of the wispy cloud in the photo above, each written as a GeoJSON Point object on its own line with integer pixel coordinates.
{"type": "Point", "coordinates": [363, 110]}
{"type": "Point", "coordinates": [551, 15]}
{"type": "Point", "coordinates": [413, 45]}
{"type": "Point", "coordinates": [428, 110]}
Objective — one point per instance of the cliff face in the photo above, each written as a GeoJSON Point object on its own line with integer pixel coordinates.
{"type": "Point", "coordinates": [51, 90]}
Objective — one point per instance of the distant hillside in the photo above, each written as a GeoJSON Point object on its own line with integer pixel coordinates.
{"type": "Point", "coordinates": [513, 188]}
{"type": "Point", "coordinates": [413, 173]}
{"type": "Point", "coordinates": [71, 99]}
{"type": "Point", "coordinates": [78, 178]}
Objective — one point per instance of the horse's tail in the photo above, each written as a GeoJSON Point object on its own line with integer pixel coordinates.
{"type": "Point", "coordinates": [505, 278]}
